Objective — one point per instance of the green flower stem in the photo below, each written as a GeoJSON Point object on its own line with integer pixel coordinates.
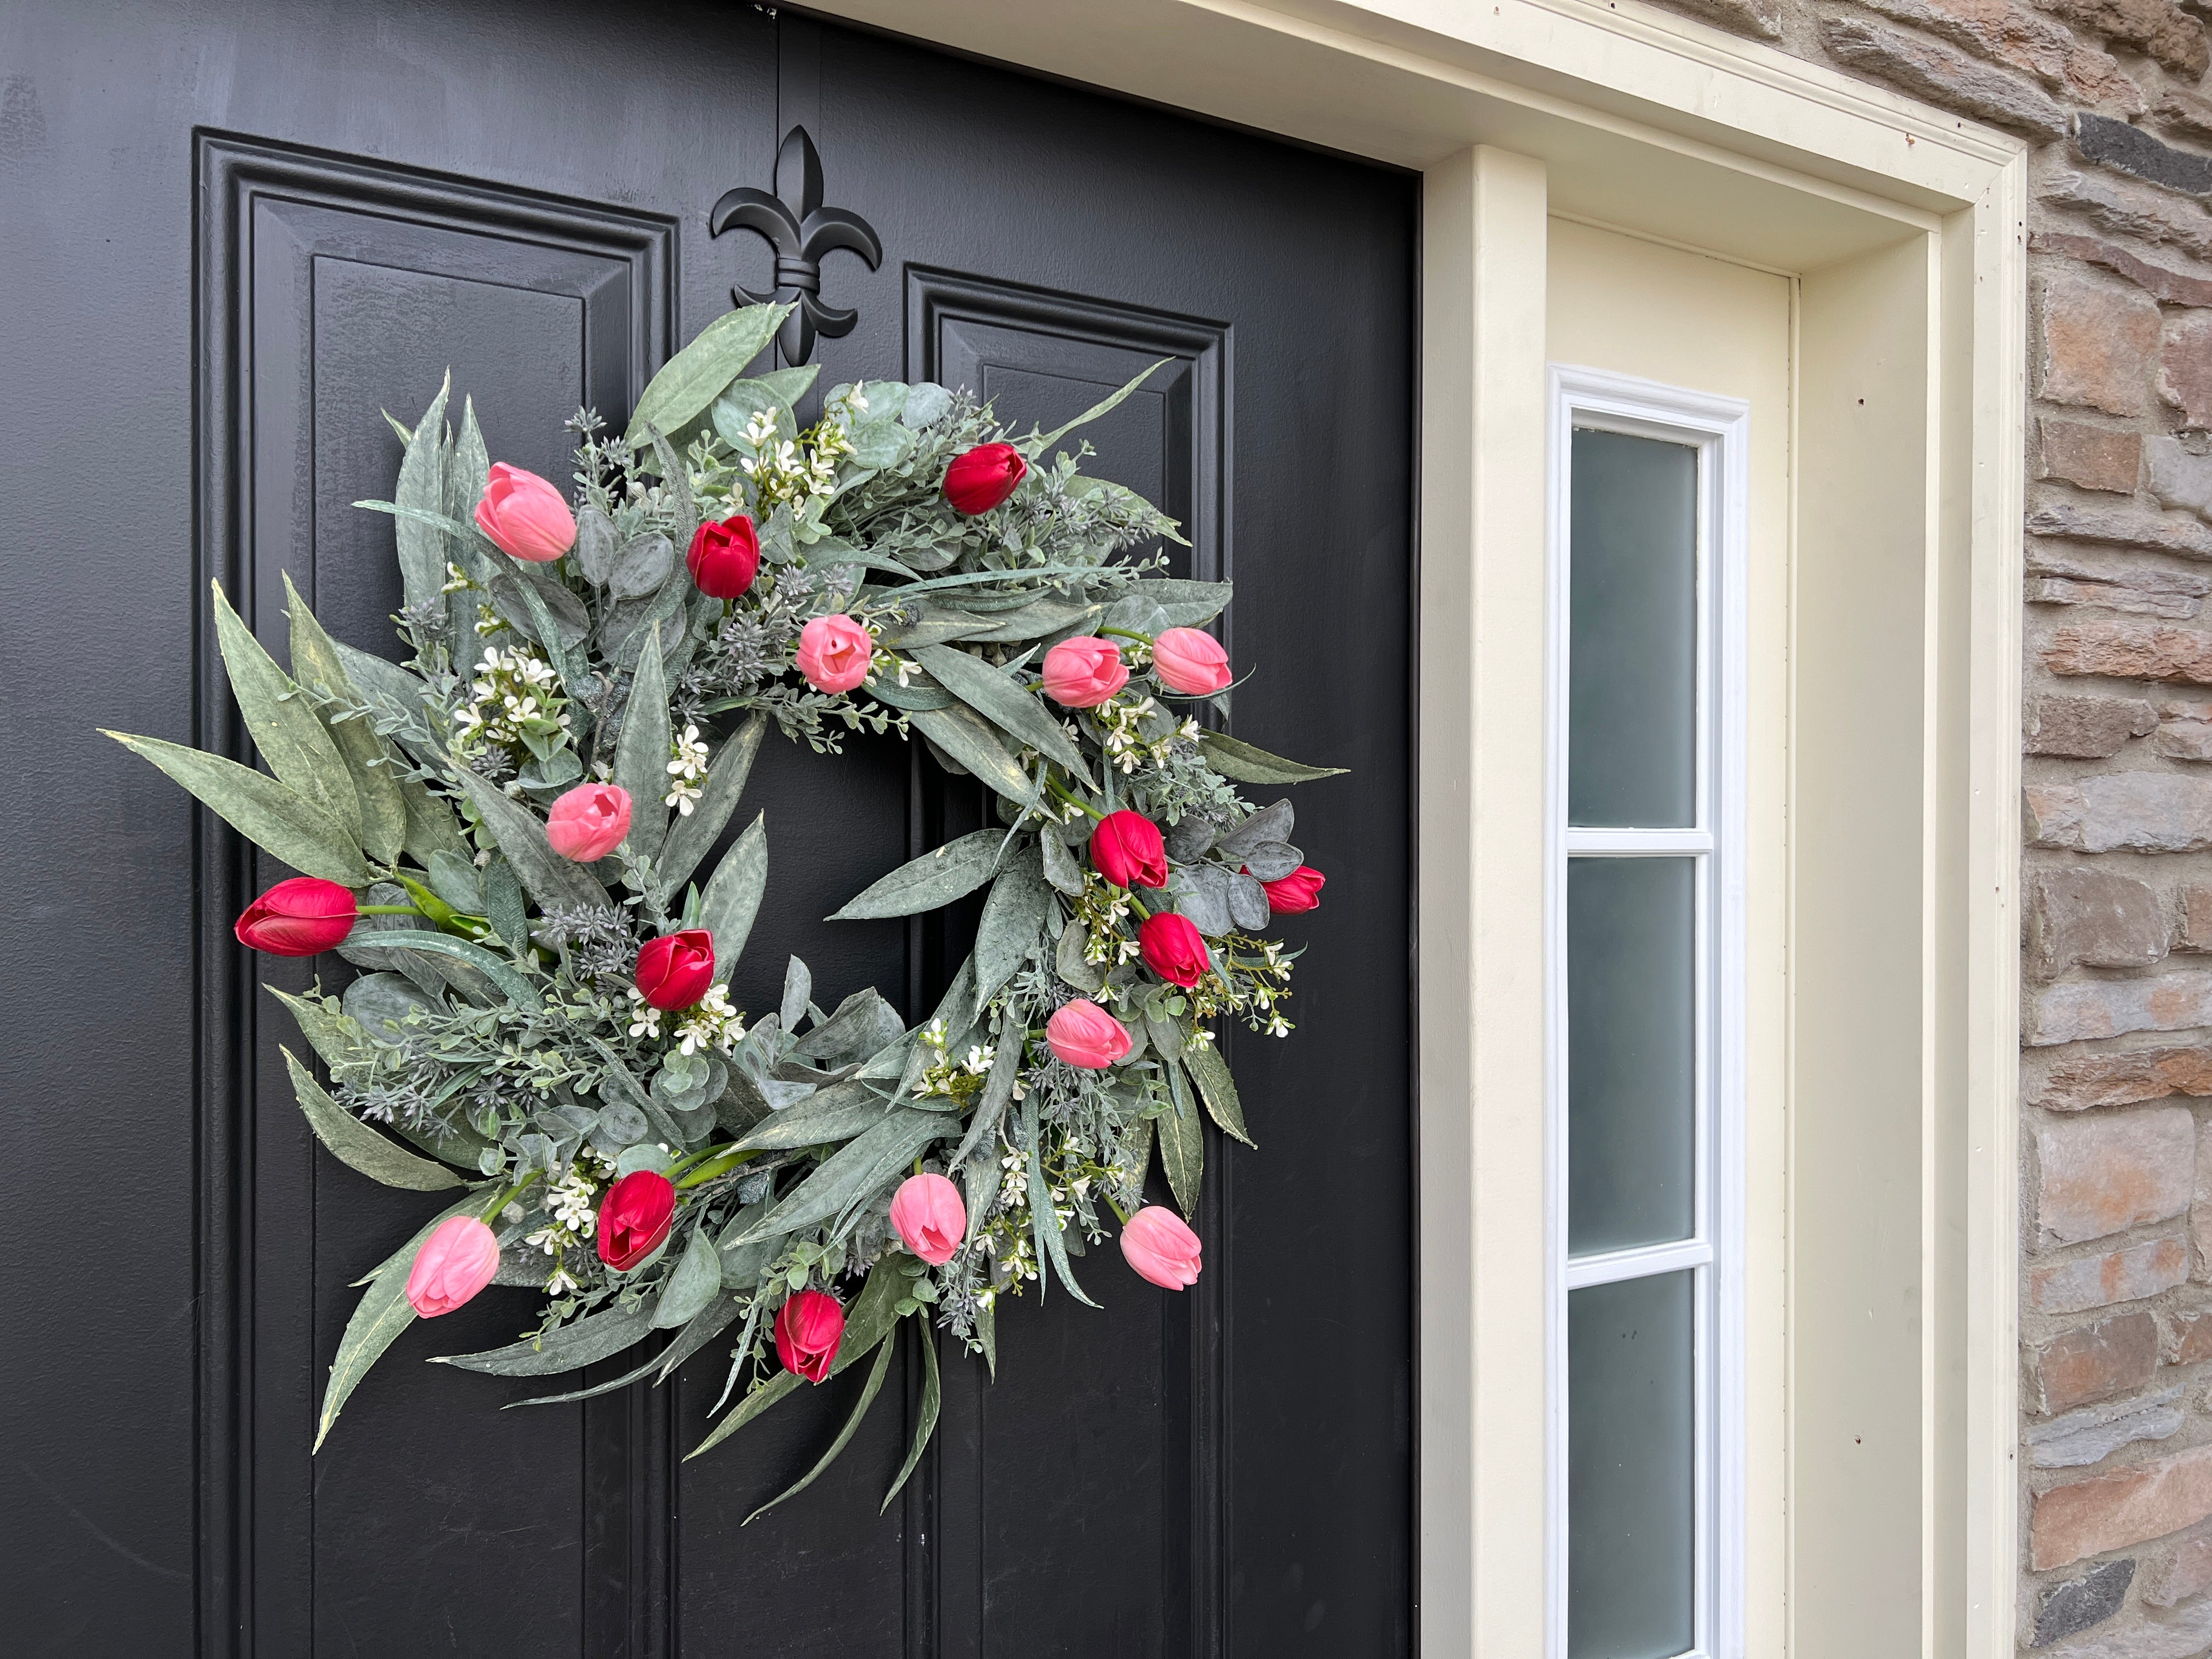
{"type": "Point", "coordinates": [722, 1164]}
{"type": "Point", "coordinates": [1138, 905]}
{"type": "Point", "coordinates": [389, 910]}
{"type": "Point", "coordinates": [513, 1192]}
{"type": "Point", "coordinates": [1124, 634]}
{"type": "Point", "coordinates": [1072, 798]}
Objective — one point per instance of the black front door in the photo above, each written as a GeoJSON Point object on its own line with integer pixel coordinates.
{"type": "Point", "coordinates": [236, 231]}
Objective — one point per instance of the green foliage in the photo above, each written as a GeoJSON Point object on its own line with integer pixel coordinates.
{"type": "Point", "coordinates": [734, 896]}
{"type": "Point", "coordinates": [642, 754]}
{"type": "Point", "coordinates": [1249, 764]}
{"type": "Point", "coordinates": [691, 381]}
{"type": "Point", "coordinates": [590, 1340]}
{"type": "Point", "coordinates": [357, 1146]}
{"type": "Point", "coordinates": [930, 882]}
{"type": "Point", "coordinates": [283, 823]}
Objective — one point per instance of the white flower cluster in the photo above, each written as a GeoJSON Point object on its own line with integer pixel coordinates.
{"type": "Point", "coordinates": [1127, 746]}
{"type": "Point", "coordinates": [512, 700]}
{"type": "Point", "coordinates": [710, 1021]}
{"type": "Point", "coordinates": [687, 769]}
{"type": "Point", "coordinates": [781, 471]}
{"type": "Point", "coordinates": [573, 1203]}
{"type": "Point", "coordinates": [644, 1018]}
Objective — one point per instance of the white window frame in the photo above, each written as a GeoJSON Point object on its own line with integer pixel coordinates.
{"type": "Point", "coordinates": [1719, 430]}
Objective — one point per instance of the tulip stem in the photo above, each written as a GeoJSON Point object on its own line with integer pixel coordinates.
{"type": "Point", "coordinates": [388, 910]}
{"type": "Point", "coordinates": [1072, 798]}
{"type": "Point", "coordinates": [720, 1165]}
{"type": "Point", "coordinates": [1124, 634]}
{"type": "Point", "coordinates": [512, 1194]}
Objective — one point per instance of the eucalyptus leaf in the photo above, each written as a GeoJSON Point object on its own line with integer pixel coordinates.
{"type": "Point", "coordinates": [1270, 823]}
{"type": "Point", "coordinates": [641, 567]}
{"type": "Point", "coordinates": [927, 403]}
{"type": "Point", "coordinates": [1248, 903]}
{"type": "Point", "coordinates": [316, 664]}
{"type": "Point", "coordinates": [1246, 763]}
{"type": "Point", "coordinates": [695, 376]}
{"type": "Point", "coordinates": [781, 389]}
{"type": "Point", "coordinates": [1060, 867]}
{"type": "Point", "coordinates": [1201, 893]}
{"type": "Point", "coordinates": [1189, 838]}
{"type": "Point", "coordinates": [590, 1340]}
{"type": "Point", "coordinates": [282, 821]}
{"type": "Point", "coordinates": [641, 752]}
{"type": "Point", "coordinates": [732, 898]}
{"type": "Point", "coordinates": [1271, 861]}
{"type": "Point", "coordinates": [1182, 1144]}
{"type": "Point", "coordinates": [378, 1004]}
{"type": "Point", "coordinates": [595, 545]}
{"type": "Point", "coordinates": [625, 627]}
{"type": "Point", "coordinates": [930, 882]}
{"type": "Point", "coordinates": [422, 489]}
{"type": "Point", "coordinates": [456, 879]}
{"type": "Point", "coordinates": [692, 835]}
{"type": "Point", "coordinates": [1210, 1072]}
{"type": "Point", "coordinates": [357, 1146]}
{"type": "Point", "coordinates": [692, 1285]}
{"type": "Point", "coordinates": [1069, 962]}
{"type": "Point", "coordinates": [1011, 707]}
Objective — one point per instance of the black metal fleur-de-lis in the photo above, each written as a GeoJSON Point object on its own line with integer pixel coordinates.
{"type": "Point", "coordinates": [801, 230]}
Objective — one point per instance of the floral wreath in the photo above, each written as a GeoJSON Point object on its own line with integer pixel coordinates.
{"type": "Point", "coordinates": [503, 833]}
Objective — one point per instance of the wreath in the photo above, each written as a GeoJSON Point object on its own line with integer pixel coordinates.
{"type": "Point", "coordinates": [506, 835]}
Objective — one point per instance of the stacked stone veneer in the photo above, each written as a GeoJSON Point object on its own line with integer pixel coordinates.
{"type": "Point", "coordinates": [2116, 1222]}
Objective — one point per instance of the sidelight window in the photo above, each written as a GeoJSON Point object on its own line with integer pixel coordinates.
{"type": "Point", "coordinates": [1645, 1081]}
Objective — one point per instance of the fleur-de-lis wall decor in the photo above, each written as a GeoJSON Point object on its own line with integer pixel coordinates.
{"type": "Point", "coordinates": [800, 230]}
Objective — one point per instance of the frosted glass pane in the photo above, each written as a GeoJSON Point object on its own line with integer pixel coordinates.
{"type": "Point", "coordinates": [1633, 693]}
{"type": "Point", "coordinates": [1630, 1450]}
{"type": "Point", "coordinates": [1632, 1006]}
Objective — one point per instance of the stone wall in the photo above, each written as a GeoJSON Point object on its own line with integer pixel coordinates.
{"type": "Point", "coordinates": [2116, 1223]}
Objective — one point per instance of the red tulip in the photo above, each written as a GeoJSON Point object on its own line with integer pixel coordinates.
{"type": "Point", "coordinates": [302, 917]}
{"type": "Point", "coordinates": [1128, 852]}
{"type": "Point", "coordinates": [725, 556]}
{"type": "Point", "coordinates": [807, 1333]}
{"type": "Point", "coordinates": [1172, 948]}
{"type": "Point", "coordinates": [1295, 893]}
{"type": "Point", "coordinates": [980, 478]}
{"type": "Point", "coordinates": [676, 969]}
{"type": "Point", "coordinates": [635, 1217]}
{"type": "Point", "coordinates": [456, 1261]}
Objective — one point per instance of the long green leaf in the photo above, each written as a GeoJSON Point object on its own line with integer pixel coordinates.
{"type": "Point", "coordinates": [285, 729]}
{"type": "Point", "coordinates": [1011, 707]}
{"type": "Point", "coordinates": [973, 741]}
{"type": "Point", "coordinates": [641, 752]}
{"type": "Point", "coordinates": [732, 898]}
{"type": "Point", "coordinates": [329, 1032]}
{"type": "Point", "coordinates": [368, 758]}
{"type": "Point", "coordinates": [868, 1392]}
{"type": "Point", "coordinates": [695, 376]}
{"type": "Point", "coordinates": [1045, 1219]}
{"type": "Point", "coordinates": [1012, 917]}
{"type": "Point", "coordinates": [357, 1146]}
{"type": "Point", "coordinates": [1182, 1144]}
{"type": "Point", "coordinates": [1105, 406]}
{"type": "Point", "coordinates": [692, 1285]}
{"type": "Point", "coordinates": [590, 1340]}
{"type": "Point", "coordinates": [517, 989]}
{"type": "Point", "coordinates": [544, 874]}
{"type": "Point", "coordinates": [1210, 1072]}
{"type": "Point", "coordinates": [853, 1172]}
{"type": "Point", "coordinates": [422, 489]}
{"type": "Point", "coordinates": [1249, 764]}
{"type": "Point", "coordinates": [282, 821]}
{"type": "Point", "coordinates": [431, 829]}
{"type": "Point", "coordinates": [709, 1323]}
{"type": "Point", "coordinates": [997, 1090]}
{"type": "Point", "coordinates": [933, 1395]}
{"type": "Point", "coordinates": [836, 1113]}
{"type": "Point", "coordinates": [930, 882]}
{"type": "Point", "coordinates": [382, 1314]}
{"type": "Point", "coordinates": [1187, 603]}
{"type": "Point", "coordinates": [782, 1383]}
{"type": "Point", "coordinates": [691, 837]}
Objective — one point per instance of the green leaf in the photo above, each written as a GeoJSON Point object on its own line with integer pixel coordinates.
{"type": "Point", "coordinates": [384, 1311]}
{"type": "Point", "coordinates": [641, 752]}
{"type": "Point", "coordinates": [997, 1090]}
{"type": "Point", "coordinates": [1071, 964]}
{"type": "Point", "coordinates": [975, 742]}
{"type": "Point", "coordinates": [697, 1277]}
{"type": "Point", "coordinates": [953, 871]}
{"type": "Point", "coordinates": [695, 376]}
{"type": "Point", "coordinates": [282, 821]}
{"type": "Point", "coordinates": [1103, 407]}
{"type": "Point", "coordinates": [853, 1173]}
{"type": "Point", "coordinates": [868, 1392]}
{"type": "Point", "coordinates": [1187, 604]}
{"type": "Point", "coordinates": [836, 1113]}
{"type": "Point", "coordinates": [468, 469]}
{"type": "Point", "coordinates": [1053, 614]}
{"type": "Point", "coordinates": [986, 1337]}
{"type": "Point", "coordinates": [544, 874]}
{"type": "Point", "coordinates": [367, 757]}
{"type": "Point", "coordinates": [1248, 764]}
{"type": "Point", "coordinates": [1044, 1220]}
{"type": "Point", "coordinates": [289, 734]}
{"type": "Point", "coordinates": [357, 1146]}
{"type": "Point", "coordinates": [517, 989]}
{"type": "Point", "coordinates": [743, 399]}
{"type": "Point", "coordinates": [431, 827]}
{"type": "Point", "coordinates": [1013, 709]}
{"type": "Point", "coordinates": [1060, 867]}
{"type": "Point", "coordinates": [422, 489]}
{"type": "Point", "coordinates": [752, 1406]}
{"type": "Point", "coordinates": [933, 1395]}
{"type": "Point", "coordinates": [732, 898]}
{"type": "Point", "coordinates": [1182, 1144]}
{"type": "Point", "coordinates": [1012, 916]}
{"type": "Point", "coordinates": [589, 1340]}
{"type": "Point", "coordinates": [709, 1323]}
{"type": "Point", "coordinates": [1210, 1072]}
{"type": "Point", "coordinates": [691, 837]}
{"type": "Point", "coordinates": [334, 1036]}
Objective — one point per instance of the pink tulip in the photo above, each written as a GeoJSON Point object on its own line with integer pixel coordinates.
{"type": "Point", "coordinates": [834, 652]}
{"type": "Point", "coordinates": [524, 516]}
{"type": "Point", "coordinates": [1082, 673]}
{"type": "Point", "coordinates": [930, 1218]}
{"type": "Point", "coordinates": [1158, 1244]}
{"type": "Point", "coordinates": [456, 1261]}
{"type": "Point", "coordinates": [1081, 1033]}
{"type": "Point", "coordinates": [589, 821]}
{"type": "Point", "coordinates": [1191, 662]}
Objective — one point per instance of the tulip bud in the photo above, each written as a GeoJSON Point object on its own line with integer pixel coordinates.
{"type": "Point", "coordinates": [807, 1332]}
{"type": "Point", "coordinates": [675, 970]}
{"type": "Point", "coordinates": [1083, 672]}
{"type": "Point", "coordinates": [589, 821]}
{"type": "Point", "coordinates": [929, 1217]}
{"type": "Point", "coordinates": [456, 1261]}
{"type": "Point", "coordinates": [1158, 1244]}
{"type": "Point", "coordinates": [524, 516]}
{"type": "Point", "coordinates": [980, 478]}
{"type": "Point", "coordinates": [634, 1218]}
{"type": "Point", "coordinates": [725, 556]}
{"type": "Point", "coordinates": [1172, 949]}
{"type": "Point", "coordinates": [1295, 893]}
{"type": "Point", "coordinates": [1126, 849]}
{"type": "Point", "coordinates": [1081, 1033]}
{"type": "Point", "coordinates": [1191, 662]}
{"type": "Point", "coordinates": [302, 917]}
{"type": "Point", "coordinates": [834, 652]}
